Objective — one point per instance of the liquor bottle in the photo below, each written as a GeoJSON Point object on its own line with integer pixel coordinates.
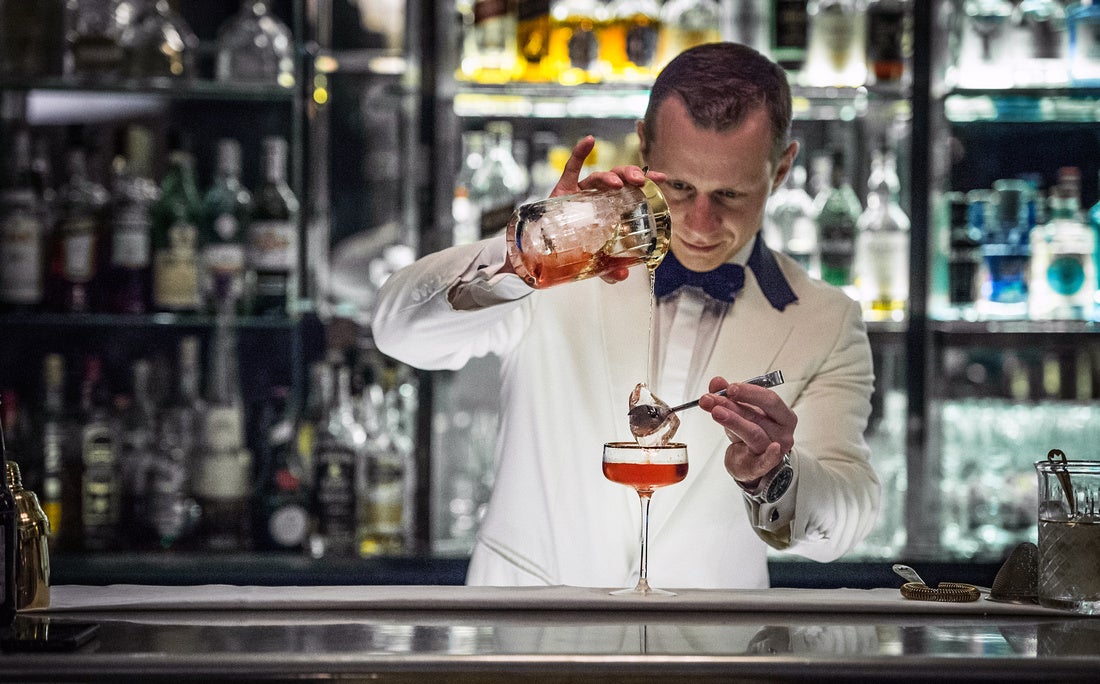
{"type": "Point", "coordinates": [574, 42]}
{"type": "Point", "coordinates": [223, 466]}
{"type": "Point", "coordinates": [983, 45]}
{"type": "Point", "coordinates": [160, 45]}
{"type": "Point", "coordinates": [171, 513]}
{"type": "Point", "coordinates": [687, 23]}
{"type": "Point", "coordinates": [385, 519]}
{"type": "Point", "coordinates": [500, 182]}
{"type": "Point", "coordinates": [792, 215]}
{"type": "Point", "coordinates": [836, 51]}
{"type": "Point", "coordinates": [747, 22]}
{"type": "Point", "coordinates": [319, 398]}
{"type": "Point", "coordinates": [175, 217]}
{"type": "Point", "coordinates": [889, 41]}
{"type": "Point", "coordinates": [282, 500]}
{"type": "Point", "coordinates": [628, 39]}
{"type": "Point", "coordinates": [22, 233]}
{"type": "Point", "coordinates": [464, 212]}
{"type": "Point", "coordinates": [1094, 223]}
{"type": "Point", "coordinates": [1039, 43]}
{"type": "Point", "coordinates": [226, 212]}
{"type": "Point", "coordinates": [1083, 25]}
{"type": "Point", "coordinates": [272, 254]}
{"type": "Point", "coordinates": [882, 244]}
{"type": "Point", "coordinates": [964, 257]}
{"type": "Point", "coordinates": [790, 31]}
{"type": "Point", "coordinates": [78, 248]}
{"type": "Point", "coordinates": [137, 451]}
{"type": "Point", "coordinates": [1006, 251]}
{"type": "Point", "coordinates": [489, 50]}
{"type": "Point", "coordinates": [837, 208]}
{"type": "Point", "coordinates": [94, 48]}
{"type": "Point", "coordinates": [533, 40]}
{"type": "Point", "coordinates": [339, 473]}
{"type": "Point", "coordinates": [255, 46]}
{"type": "Point", "coordinates": [32, 38]}
{"type": "Point", "coordinates": [1063, 256]}
{"type": "Point", "coordinates": [129, 276]}
{"type": "Point", "coordinates": [100, 482]}
{"type": "Point", "coordinates": [56, 440]}
{"type": "Point", "coordinates": [9, 546]}
{"type": "Point", "coordinates": [17, 424]}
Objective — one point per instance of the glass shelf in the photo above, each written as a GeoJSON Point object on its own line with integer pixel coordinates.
{"type": "Point", "coordinates": [628, 101]}
{"type": "Point", "coordinates": [154, 320]}
{"type": "Point", "coordinates": [195, 89]}
{"type": "Point", "coordinates": [1023, 105]}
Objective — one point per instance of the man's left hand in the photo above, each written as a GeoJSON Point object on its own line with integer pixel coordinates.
{"type": "Point", "coordinates": [759, 424]}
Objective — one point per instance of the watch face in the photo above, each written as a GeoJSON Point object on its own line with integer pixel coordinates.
{"type": "Point", "coordinates": [779, 484]}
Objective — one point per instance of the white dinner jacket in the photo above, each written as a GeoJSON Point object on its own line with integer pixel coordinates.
{"type": "Point", "coordinates": [571, 354]}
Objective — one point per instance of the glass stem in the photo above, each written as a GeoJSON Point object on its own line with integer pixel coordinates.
{"type": "Point", "coordinates": [644, 498]}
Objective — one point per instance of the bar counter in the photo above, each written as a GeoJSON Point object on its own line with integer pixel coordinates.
{"type": "Point", "coordinates": [557, 634]}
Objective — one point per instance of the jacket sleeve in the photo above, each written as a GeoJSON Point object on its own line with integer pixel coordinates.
{"type": "Point", "coordinates": [451, 306]}
{"type": "Point", "coordinates": [834, 501]}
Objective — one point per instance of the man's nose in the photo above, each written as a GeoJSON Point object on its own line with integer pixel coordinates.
{"type": "Point", "coordinates": [700, 215]}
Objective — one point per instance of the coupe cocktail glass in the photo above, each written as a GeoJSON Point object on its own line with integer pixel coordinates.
{"type": "Point", "coordinates": [645, 468]}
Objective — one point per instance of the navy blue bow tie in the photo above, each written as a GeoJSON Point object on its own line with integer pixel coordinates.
{"type": "Point", "coordinates": [724, 282]}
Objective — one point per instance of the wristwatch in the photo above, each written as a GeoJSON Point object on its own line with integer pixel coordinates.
{"type": "Point", "coordinates": [774, 484]}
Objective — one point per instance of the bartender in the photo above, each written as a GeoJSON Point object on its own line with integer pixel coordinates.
{"type": "Point", "coordinates": [786, 467]}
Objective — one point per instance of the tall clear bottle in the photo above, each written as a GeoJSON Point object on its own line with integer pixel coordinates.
{"type": "Point", "coordinates": [172, 512]}
{"type": "Point", "coordinates": [129, 276]}
{"type": "Point", "coordinates": [386, 520]}
{"type": "Point", "coordinates": [94, 47]}
{"type": "Point", "coordinates": [983, 45]}
{"type": "Point", "coordinates": [223, 465]}
{"type": "Point", "coordinates": [100, 480]}
{"type": "Point", "coordinates": [882, 245]}
{"type": "Point", "coordinates": [792, 216]}
{"type": "Point", "coordinates": [226, 213]}
{"type": "Point", "coordinates": [489, 48]}
{"type": "Point", "coordinates": [1062, 281]}
{"type": "Point", "coordinates": [500, 182]}
{"type": "Point", "coordinates": [838, 210]}
{"type": "Point", "coordinates": [175, 218]}
{"type": "Point", "coordinates": [255, 46]}
{"type": "Point", "coordinates": [339, 474]}
{"type": "Point", "coordinates": [836, 54]}
{"type": "Point", "coordinates": [272, 253]}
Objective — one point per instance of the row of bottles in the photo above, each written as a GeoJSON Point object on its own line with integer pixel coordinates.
{"type": "Point", "coordinates": [114, 42]}
{"type": "Point", "coordinates": [132, 246]}
{"type": "Point", "coordinates": [864, 249]}
{"type": "Point", "coordinates": [1022, 43]}
{"type": "Point", "coordinates": [195, 468]}
{"type": "Point", "coordinates": [830, 42]}
{"type": "Point", "coordinates": [1017, 254]}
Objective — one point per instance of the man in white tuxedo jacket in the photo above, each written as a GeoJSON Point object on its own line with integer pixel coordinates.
{"type": "Point", "coordinates": [786, 467]}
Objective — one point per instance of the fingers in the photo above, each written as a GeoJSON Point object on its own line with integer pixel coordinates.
{"type": "Point", "coordinates": [570, 175]}
{"type": "Point", "coordinates": [571, 182]}
{"type": "Point", "coordinates": [754, 416]}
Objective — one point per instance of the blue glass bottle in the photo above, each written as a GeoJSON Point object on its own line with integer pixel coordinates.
{"type": "Point", "coordinates": [1083, 24]}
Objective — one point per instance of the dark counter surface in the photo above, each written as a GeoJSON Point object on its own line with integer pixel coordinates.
{"type": "Point", "coordinates": [554, 634]}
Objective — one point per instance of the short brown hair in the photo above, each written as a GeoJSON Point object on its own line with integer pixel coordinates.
{"type": "Point", "coordinates": [721, 84]}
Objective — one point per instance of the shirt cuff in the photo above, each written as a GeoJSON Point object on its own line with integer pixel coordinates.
{"type": "Point", "coordinates": [772, 521]}
{"type": "Point", "coordinates": [482, 284]}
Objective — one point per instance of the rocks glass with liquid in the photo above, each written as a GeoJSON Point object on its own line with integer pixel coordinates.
{"type": "Point", "coordinates": [1069, 535]}
{"type": "Point", "coordinates": [590, 233]}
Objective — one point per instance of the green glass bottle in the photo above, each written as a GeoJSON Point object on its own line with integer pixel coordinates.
{"type": "Point", "coordinates": [176, 238]}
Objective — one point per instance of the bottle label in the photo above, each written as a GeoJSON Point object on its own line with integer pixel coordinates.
{"type": "Point", "coordinates": [175, 269]}
{"type": "Point", "coordinates": [78, 247]}
{"type": "Point", "coordinates": [273, 246]}
{"type": "Point", "coordinates": [223, 475]}
{"type": "Point", "coordinates": [288, 525]}
{"type": "Point", "coordinates": [1066, 274]}
{"type": "Point", "coordinates": [20, 259]}
{"type": "Point", "coordinates": [335, 493]}
{"type": "Point", "coordinates": [223, 427]}
{"type": "Point", "coordinates": [99, 504]}
{"type": "Point", "coordinates": [130, 243]}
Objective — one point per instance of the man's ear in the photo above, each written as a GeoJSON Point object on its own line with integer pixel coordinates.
{"type": "Point", "coordinates": [643, 144]}
{"type": "Point", "coordinates": [786, 161]}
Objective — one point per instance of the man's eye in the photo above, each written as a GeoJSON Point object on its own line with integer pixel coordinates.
{"type": "Point", "coordinates": [678, 186]}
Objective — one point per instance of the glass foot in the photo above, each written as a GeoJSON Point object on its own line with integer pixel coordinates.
{"type": "Point", "coordinates": [642, 589]}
